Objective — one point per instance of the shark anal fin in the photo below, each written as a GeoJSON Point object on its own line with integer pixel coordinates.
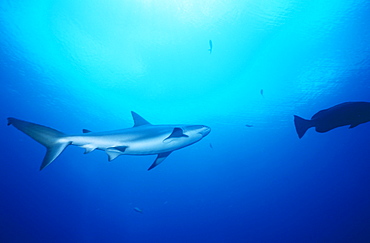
{"type": "Point", "coordinates": [159, 159]}
{"type": "Point", "coordinates": [88, 148]}
{"type": "Point", "coordinates": [85, 131]}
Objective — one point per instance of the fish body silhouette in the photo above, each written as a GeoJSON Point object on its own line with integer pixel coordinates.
{"type": "Point", "coordinates": [210, 46]}
{"type": "Point", "coordinates": [348, 113]}
{"type": "Point", "coordinates": [136, 209]}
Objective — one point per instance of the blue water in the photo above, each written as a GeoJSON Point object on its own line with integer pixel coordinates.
{"type": "Point", "coordinates": [86, 64]}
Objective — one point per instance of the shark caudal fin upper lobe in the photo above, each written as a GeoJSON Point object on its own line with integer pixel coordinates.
{"type": "Point", "coordinates": [301, 125]}
{"type": "Point", "coordinates": [54, 141]}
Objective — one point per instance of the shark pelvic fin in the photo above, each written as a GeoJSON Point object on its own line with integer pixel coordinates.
{"type": "Point", "coordinates": [112, 154]}
{"type": "Point", "coordinates": [138, 120]}
{"type": "Point", "coordinates": [159, 159]}
{"type": "Point", "coordinates": [120, 148]}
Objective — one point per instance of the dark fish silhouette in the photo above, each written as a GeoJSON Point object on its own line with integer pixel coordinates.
{"type": "Point", "coordinates": [348, 113]}
{"type": "Point", "coordinates": [261, 92]}
{"type": "Point", "coordinates": [248, 125]}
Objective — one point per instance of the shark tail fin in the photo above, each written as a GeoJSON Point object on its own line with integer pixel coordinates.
{"type": "Point", "coordinates": [301, 125]}
{"type": "Point", "coordinates": [54, 141]}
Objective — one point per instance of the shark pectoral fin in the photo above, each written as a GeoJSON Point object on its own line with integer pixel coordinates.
{"type": "Point", "coordinates": [85, 131]}
{"type": "Point", "coordinates": [88, 148]}
{"type": "Point", "coordinates": [176, 133]}
{"type": "Point", "coordinates": [159, 159]}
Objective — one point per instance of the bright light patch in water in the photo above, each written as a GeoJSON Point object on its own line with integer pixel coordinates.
{"type": "Point", "coordinates": [152, 54]}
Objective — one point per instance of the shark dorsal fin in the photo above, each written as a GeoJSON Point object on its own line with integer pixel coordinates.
{"type": "Point", "coordinates": [138, 120]}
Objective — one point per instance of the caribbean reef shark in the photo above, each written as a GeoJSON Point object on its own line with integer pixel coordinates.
{"type": "Point", "coordinates": [142, 139]}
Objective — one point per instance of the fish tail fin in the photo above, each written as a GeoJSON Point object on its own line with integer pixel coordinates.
{"type": "Point", "coordinates": [301, 125]}
{"type": "Point", "coordinates": [54, 141]}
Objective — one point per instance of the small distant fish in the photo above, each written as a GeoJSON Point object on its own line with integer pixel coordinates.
{"type": "Point", "coordinates": [247, 125]}
{"type": "Point", "coordinates": [210, 145]}
{"type": "Point", "coordinates": [210, 46]}
{"type": "Point", "coordinates": [261, 92]}
{"type": "Point", "coordinates": [348, 113]}
{"type": "Point", "coordinates": [138, 210]}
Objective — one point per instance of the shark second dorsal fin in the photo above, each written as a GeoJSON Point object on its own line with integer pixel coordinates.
{"type": "Point", "coordinates": [138, 120]}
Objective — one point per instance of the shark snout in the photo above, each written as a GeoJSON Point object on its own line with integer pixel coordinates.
{"type": "Point", "coordinates": [205, 131]}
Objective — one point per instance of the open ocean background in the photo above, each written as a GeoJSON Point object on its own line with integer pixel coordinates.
{"type": "Point", "coordinates": [81, 64]}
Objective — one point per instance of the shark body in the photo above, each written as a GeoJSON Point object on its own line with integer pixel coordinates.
{"type": "Point", "coordinates": [142, 139]}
